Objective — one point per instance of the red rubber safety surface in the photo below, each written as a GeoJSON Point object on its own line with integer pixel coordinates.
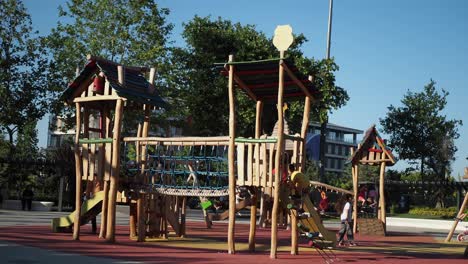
{"type": "Point", "coordinates": [396, 248]}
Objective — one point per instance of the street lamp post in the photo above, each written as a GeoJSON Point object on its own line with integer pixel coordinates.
{"type": "Point", "coordinates": [323, 125]}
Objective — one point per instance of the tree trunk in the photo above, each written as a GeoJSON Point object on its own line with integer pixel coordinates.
{"type": "Point", "coordinates": [422, 168]}
{"type": "Point", "coordinates": [11, 132]}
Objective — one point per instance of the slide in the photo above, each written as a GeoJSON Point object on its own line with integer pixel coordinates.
{"type": "Point", "coordinates": [225, 215]}
{"type": "Point", "coordinates": [89, 209]}
{"type": "Point", "coordinates": [314, 223]}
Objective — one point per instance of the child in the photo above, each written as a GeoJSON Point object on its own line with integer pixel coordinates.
{"type": "Point", "coordinates": [299, 185]}
{"type": "Point", "coordinates": [299, 182]}
{"type": "Point", "coordinates": [344, 207]}
{"type": "Point", "coordinates": [362, 195]}
{"type": "Point", "coordinates": [323, 205]}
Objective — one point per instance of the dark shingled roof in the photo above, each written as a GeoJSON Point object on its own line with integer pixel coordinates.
{"type": "Point", "coordinates": [135, 88]}
{"type": "Point", "coordinates": [261, 78]}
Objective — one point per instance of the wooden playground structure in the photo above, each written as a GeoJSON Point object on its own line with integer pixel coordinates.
{"type": "Point", "coordinates": [461, 213]}
{"type": "Point", "coordinates": [371, 151]}
{"type": "Point", "coordinates": [162, 172]}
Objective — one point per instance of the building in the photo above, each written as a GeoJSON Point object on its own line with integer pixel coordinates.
{"type": "Point", "coordinates": [57, 133]}
{"type": "Point", "coordinates": [339, 140]}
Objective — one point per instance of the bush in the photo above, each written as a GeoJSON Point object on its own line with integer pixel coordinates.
{"type": "Point", "coordinates": [444, 213]}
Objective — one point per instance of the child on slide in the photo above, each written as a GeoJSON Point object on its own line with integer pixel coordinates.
{"type": "Point", "coordinates": [299, 184]}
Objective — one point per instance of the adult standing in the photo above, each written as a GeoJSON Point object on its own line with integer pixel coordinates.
{"type": "Point", "coordinates": [27, 198]}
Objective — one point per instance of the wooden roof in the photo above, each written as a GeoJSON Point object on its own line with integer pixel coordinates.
{"type": "Point", "coordinates": [136, 87]}
{"type": "Point", "coordinates": [371, 148]}
{"type": "Point", "coordinates": [259, 79]}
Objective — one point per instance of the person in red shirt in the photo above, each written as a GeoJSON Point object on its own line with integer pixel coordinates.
{"type": "Point", "coordinates": [323, 205]}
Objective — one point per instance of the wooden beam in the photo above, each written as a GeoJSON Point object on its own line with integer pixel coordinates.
{"type": "Point", "coordinates": [383, 212]}
{"type": "Point", "coordinates": [78, 167]}
{"type": "Point", "coordinates": [115, 173]}
{"type": "Point", "coordinates": [178, 139]}
{"type": "Point", "coordinates": [107, 171]}
{"type": "Point", "coordinates": [98, 98]}
{"type": "Point", "coordinates": [245, 87]}
{"type": "Point", "coordinates": [332, 188]}
{"type": "Point", "coordinates": [374, 161]}
{"type": "Point", "coordinates": [305, 125]}
{"type": "Point", "coordinates": [231, 158]}
{"type": "Point", "coordinates": [296, 80]}
{"type": "Point", "coordinates": [278, 158]}
{"type": "Point", "coordinates": [253, 208]}
{"type": "Point", "coordinates": [457, 220]}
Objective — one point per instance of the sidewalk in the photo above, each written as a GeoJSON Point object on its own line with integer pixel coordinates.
{"type": "Point", "coordinates": [429, 224]}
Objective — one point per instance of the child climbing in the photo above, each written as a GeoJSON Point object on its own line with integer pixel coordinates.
{"type": "Point", "coordinates": [299, 185]}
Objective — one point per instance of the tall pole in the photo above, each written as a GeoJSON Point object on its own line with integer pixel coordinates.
{"type": "Point", "coordinates": [323, 125]}
{"type": "Point", "coordinates": [330, 17]}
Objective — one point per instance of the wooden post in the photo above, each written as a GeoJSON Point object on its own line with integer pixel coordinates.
{"type": "Point", "coordinates": [183, 216]}
{"type": "Point", "coordinates": [139, 180]}
{"type": "Point", "coordinates": [457, 220]}
{"type": "Point", "coordinates": [141, 215]}
{"type": "Point", "coordinates": [231, 157]}
{"type": "Point", "coordinates": [355, 173]}
{"type": "Point", "coordinates": [294, 234]}
{"type": "Point", "coordinates": [305, 126]}
{"type": "Point", "coordinates": [78, 167]}
{"type": "Point", "coordinates": [144, 133]}
{"type": "Point", "coordinates": [355, 176]}
{"type": "Point", "coordinates": [383, 213]}
{"type": "Point", "coordinates": [279, 152]}
{"type": "Point", "coordinates": [106, 167]}
{"type": "Point", "coordinates": [115, 173]}
{"type": "Point", "coordinates": [253, 207]}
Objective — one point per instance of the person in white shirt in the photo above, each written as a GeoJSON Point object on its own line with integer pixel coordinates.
{"type": "Point", "coordinates": [345, 209]}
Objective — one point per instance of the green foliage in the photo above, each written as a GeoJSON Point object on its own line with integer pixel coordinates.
{"type": "Point", "coordinates": [24, 74]}
{"type": "Point", "coordinates": [129, 32]}
{"type": "Point", "coordinates": [204, 90]}
{"type": "Point", "coordinates": [312, 170]}
{"type": "Point", "coordinates": [419, 131]}
{"type": "Point", "coordinates": [445, 213]}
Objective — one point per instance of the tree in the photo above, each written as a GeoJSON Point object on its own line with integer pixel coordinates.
{"type": "Point", "coordinates": [419, 131]}
{"type": "Point", "coordinates": [24, 73]}
{"type": "Point", "coordinates": [129, 32]}
{"type": "Point", "coordinates": [204, 89]}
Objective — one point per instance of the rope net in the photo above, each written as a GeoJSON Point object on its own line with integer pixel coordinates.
{"type": "Point", "coordinates": [194, 170]}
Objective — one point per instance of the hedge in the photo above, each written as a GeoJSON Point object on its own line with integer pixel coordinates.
{"type": "Point", "coordinates": [444, 213]}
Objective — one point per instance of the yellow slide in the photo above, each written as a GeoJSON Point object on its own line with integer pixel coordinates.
{"type": "Point", "coordinates": [314, 223]}
{"type": "Point", "coordinates": [89, 209]}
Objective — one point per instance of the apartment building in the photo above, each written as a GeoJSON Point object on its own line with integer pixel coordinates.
{"type": "Point", "coordinates": [339, 140]}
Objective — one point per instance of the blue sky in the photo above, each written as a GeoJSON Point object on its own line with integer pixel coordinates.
{"type": "Point", "coordinates": [383, 48]}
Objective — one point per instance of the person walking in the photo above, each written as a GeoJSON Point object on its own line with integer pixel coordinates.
{"type": "Point", "coordinates": [27, 198]}
{"type": "Point", "coordinates": [345, 209]}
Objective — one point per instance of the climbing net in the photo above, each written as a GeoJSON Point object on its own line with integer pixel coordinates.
{"type": "Point", "coordinates": [181, 170]}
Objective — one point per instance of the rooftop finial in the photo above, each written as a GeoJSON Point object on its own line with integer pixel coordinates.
{"type": "Point", "coordinates": [283, 37]}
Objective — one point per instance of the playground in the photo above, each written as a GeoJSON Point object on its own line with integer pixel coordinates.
{"type": "Point", "coordinates": [209, 246]}
{"type": "Point", "coordinates": [155, 177]}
